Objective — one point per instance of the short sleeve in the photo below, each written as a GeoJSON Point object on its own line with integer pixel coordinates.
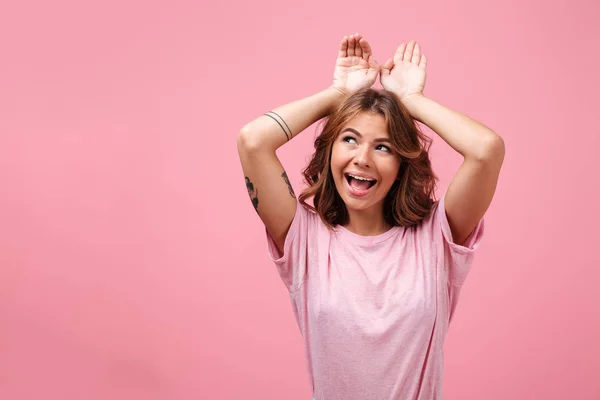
{"type": "Point", "coordinates": [292, 264]}
{"type": "Point", "coordinates": [458, 258]}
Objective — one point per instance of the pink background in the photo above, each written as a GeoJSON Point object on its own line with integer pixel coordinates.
{"type": "Point", "coordinates": [132, 263]}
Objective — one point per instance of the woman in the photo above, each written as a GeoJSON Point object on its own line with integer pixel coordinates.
{"type": "Point", "coordinates": [375, 268]}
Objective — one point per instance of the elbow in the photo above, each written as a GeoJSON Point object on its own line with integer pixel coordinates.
{"type": "Point", "coordinates": [251, 139]}
{"type": "Point", "coordinates": [492, 150]}
{"type": "Point", "coordinates": [246, 141]}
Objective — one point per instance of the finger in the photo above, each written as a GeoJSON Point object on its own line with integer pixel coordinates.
{"type": "Point", "coordinates": [373, 62]}
{"type": "Point", "coordinates": [372, 73]}
{"type": "Point", "coordinates": [399, 52]}
{"type": "Point", "coordinates": [409, 50]}
{"type": "Point", "coordinates": [374, 68]}
{"type": "Point", "coordinates": [343, 52]}
{"type": "Point", "coordinates": [358, 52]}
{"type": "Point", "coordinates": [351, 44]}
{"type": "Point", "coordinates": [366, 48]}
{"type": "Point", "coordinates": [423, 63]}
{"type": "Point", "coordinates": [416, 57]}
{"type": "Point", "coordinates": [388, 65]}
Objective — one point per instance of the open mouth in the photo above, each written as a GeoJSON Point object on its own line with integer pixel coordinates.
{"type": "Point", "coordinates": [358, 183]}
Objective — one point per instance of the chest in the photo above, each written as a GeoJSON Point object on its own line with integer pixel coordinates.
{"type": "Point", "coordinates": [376, 289]}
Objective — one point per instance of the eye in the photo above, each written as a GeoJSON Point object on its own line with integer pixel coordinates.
{"type": "Point", "coordinates": [348, 138]}
{"type": "Point", "coordinates": [387, 149]}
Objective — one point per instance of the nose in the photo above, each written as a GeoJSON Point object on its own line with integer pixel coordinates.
{"type": "Point", "coordinates": [363, 157]}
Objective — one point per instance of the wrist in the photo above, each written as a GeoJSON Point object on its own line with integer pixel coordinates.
{"type": "Point", "coordinates": [413, 96]}
{"type": "Point", "coordinates": [411, 103]}
{"type": "Point", "coordinates": [337, 96]}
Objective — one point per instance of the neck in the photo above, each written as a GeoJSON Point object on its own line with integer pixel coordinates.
{"type": "Point", "coordinates": [367, 222]}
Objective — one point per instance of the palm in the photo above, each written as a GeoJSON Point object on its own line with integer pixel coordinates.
{"type": "Point", "coordinates": [405, 74]}
{"type": "Point", "coordinates": [355, 67]}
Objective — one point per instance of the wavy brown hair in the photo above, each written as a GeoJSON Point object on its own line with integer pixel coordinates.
{"type": "Point", "coordinates": [410, 198]}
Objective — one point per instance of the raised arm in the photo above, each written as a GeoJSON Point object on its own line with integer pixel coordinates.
{"type": "Point", "coordinates": [471, 190]}
{"type": "Point", "coordinates": [268, 186]}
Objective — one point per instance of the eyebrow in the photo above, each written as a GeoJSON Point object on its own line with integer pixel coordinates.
{"type": "Point", "coordinates": [357, 133]}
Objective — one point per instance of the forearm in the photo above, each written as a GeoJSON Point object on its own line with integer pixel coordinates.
{"type": "Point", "coordinates": [279, 126]}
{"type": "Point", "coordinates": [468, 137]}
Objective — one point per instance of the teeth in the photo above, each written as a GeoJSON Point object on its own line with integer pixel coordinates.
{"type": "Point", "coordinates": [361, 179]}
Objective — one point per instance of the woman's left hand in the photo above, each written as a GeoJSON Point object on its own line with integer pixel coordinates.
{"type": "Point", "coordinates": [405, 73]}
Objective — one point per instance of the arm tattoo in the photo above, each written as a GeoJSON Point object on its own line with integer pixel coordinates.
{"type": "Point", "coordinates": [285, 178]}
{"type": "Point", "coordinates": [253, 193]}
{"type": "Point", "coordinates": [286, 125]}
{"type": "Point", "coordinates": [288, 136]}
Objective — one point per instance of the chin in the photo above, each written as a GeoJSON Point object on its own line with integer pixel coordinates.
{"type": "Point", "coordinates": [357, 205]}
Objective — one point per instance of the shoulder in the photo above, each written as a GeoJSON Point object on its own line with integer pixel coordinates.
{"type": "Point", "coordinates": [310, 215]}
{"type": "Point", "coordinates": [432, 215]}
{"type": "Point", "coordinates": [307, 220]}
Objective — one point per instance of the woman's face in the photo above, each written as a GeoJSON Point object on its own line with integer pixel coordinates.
{"type": "Point", "coordinates": [363, 150]}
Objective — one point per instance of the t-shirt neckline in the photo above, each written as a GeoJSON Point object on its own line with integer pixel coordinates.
{"type": "Point", "coordinates": [365, 240]}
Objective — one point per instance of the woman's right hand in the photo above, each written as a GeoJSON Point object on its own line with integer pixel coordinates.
{"type": "Point", "coordinates": [355, 67]}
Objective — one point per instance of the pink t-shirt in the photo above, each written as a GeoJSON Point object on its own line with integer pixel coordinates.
{"type": "Point", "coordinates": [374, 310]}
